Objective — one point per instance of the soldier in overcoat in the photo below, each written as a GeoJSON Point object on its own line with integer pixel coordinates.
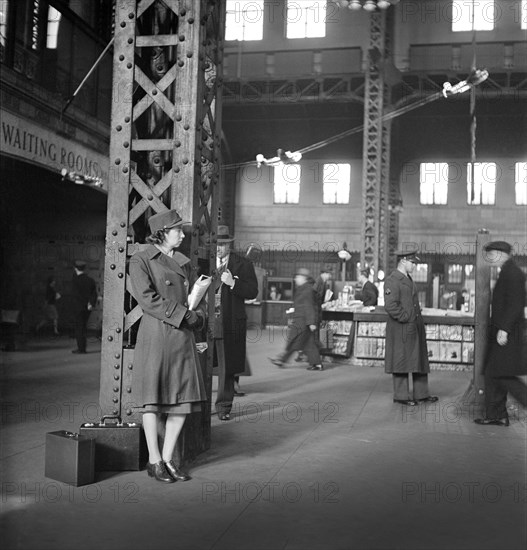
{"type": "Point", "coordinates": [505, 357]}
{"type": "Point", "coordinates": [167, 374]}
{"type": "Point", "coordinates": [304, 323]}
{"type": "Point", "coordinates": [235, 282]}
{"type": "Point", "coordinates": [405, 345]}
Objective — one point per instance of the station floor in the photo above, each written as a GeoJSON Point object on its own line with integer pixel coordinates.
{"type": "Point", "coordinates": [311, 460]}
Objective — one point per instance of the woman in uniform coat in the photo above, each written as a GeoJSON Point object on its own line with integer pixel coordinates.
{"type": "Point", "coordinates": [406, 350]}
{"type": "Point", "coordinates": [167, 374]}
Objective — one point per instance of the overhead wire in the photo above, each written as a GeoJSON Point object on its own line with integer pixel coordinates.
{"type": "Point", "coordinates": [346, 133]}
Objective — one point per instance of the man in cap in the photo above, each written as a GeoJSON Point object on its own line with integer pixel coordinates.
{"type": "Point", "coordinates": [304, 324]}
{"type": "Point", "coordinates": [84, 300]}
{"type": "Point", "coordinates": [505, 358]}
{"type": "Point", "coordinates": [406, 350]}
{"type": "Point", "coordinates": [235, 282]}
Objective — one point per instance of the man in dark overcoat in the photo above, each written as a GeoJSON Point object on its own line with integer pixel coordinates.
{"type": "Point", "coordinates": [304, 323]}
{"type": "Point", "coordinates": [84, 300]}
{"type": "Point", "coordinates": [235, 282]}
{"type": "Point", "coordinates": [505, 358]}
{"type": "Point", "coordinates": [406, 350]}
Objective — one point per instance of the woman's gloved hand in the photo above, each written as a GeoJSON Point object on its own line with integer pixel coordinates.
{"type": "Point", "coordinates": [193, 319]}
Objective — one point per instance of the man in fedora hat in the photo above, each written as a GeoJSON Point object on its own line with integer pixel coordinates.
{"type": "Point", "coordinates": [84, 300]}
{"type": "Point", "coordinates": [505, 358]}
{"type": "Point", "coordinates": [304, 324]}
{"type": "Point", "coordinates": [235, 282]}
{"type": "Point", "coordinates": [406, 350]}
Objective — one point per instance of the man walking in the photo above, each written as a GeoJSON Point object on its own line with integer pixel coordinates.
{"type": "Point", "coordinates": [406, 350]}
{"type": "Point", "coordinates": [301, 333]}
{"type": "Point", "coordinates": [505, 359]}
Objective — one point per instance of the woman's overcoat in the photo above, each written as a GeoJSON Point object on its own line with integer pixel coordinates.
{"type": "Point", "coordinates": [166, 367]}
{"type": "Point", "coordinates": [405, 343]}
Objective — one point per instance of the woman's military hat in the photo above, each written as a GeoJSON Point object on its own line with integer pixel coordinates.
{"type": "Point", "coordinates": [165, 220]}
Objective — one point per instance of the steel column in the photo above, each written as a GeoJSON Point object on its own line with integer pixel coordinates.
{"type": "Point", "coordinates": [164, 153]}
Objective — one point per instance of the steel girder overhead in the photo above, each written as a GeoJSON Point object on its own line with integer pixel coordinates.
{"type": "Point", "coordinates": [164, 153]}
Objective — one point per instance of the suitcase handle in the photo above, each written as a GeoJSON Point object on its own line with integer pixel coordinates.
{"type": "Point", "coordinates": [106, 416]}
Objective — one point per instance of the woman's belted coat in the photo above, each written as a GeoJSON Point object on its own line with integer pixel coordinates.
{"type": "Point", "coordinates": [166, 367]}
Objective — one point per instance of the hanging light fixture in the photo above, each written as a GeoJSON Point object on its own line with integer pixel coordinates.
{"type": "Point", "coordinates": [368, 5]}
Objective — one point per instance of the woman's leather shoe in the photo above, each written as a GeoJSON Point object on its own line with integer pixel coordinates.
{"type": "Point", "coordinates": [159, 471]}
{"type": "Point", "coordinates": [175, 472]}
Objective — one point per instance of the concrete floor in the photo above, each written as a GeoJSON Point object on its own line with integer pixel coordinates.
{"type": "Point", "coordinates": [311, 460]}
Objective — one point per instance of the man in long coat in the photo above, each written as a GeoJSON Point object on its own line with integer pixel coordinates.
{"type": "Point", "coordinates": [235, 282]}
{"type": "Point", "coordinates": [406, 350]}
{"type": "Point", "coordinates": [304, 323]}
{"type": "Point", "coordinates": [505, 359]}
{"type": "Point", "coordinates": [84, 294]}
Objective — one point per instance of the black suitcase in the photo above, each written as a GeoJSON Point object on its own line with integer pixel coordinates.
{"type": "Point", "coordinates": [70, 458]}
{"type": "Point", "coordinates": [119, 445]}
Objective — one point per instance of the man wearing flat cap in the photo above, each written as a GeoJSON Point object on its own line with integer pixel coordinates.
{"type": "Point", "coordinates": [84, 300]}
{"type": "Point", "coordinates": [505, 358]}
{"type": "Point", "coordinates": [406, 350]}
{"type": "Point", "coordinates": [235, 282]}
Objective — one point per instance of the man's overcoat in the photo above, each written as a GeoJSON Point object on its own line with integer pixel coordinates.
{"type": "Point", "coordinates": [234, 316]}
{"type": "Point", "coordinates": [405, 349]}
{"type": "Point", "coordinates": [508, 302]}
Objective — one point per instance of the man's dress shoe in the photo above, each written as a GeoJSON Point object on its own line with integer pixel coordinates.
{"type": "Point", "coordinates": [159, 471]}
{"type": "Point", "coordinates": [492, 421]}
{"type": "Point", "coordinates": [239, 393]}
{"type": "Point", "coordinates": [315, 367]}
{"type": "Point", "coordinates": [175, 472]}
{"type": "Point", "coordinates": [429, 399]}
{"type": "Point", "coordinates": [409, 402]}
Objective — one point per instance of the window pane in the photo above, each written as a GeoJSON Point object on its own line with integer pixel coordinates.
{"type": "Point", "coordinates": [455, 273]}
{"type": "Point", "coordinates": [244, 20]}
{"type": "Point", "coordinates": [470, 272]}
{"type": "Point", "coordinates": [336, 183]}
{"type": "Point", "coordinates": [287, 184]}
{"type": "Point", "coordinates": [420, 274]}
{"type": "Point", "coordinates": [53, 28]}
{"type": "Point", "coordinates": [523, 15]}
{"type": "Point", "coordinates": [306, 19]}
{"type": "Point", "coordinates": [464, 17]}
{"type": "Point", "coordinates": [521, 182]}
{"type": "Point", "coordinates": [484, 183]}
{"type": "Point", "coordinates": [3, 23]}
{"type": "Point", "coordinates": [433, 181]}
